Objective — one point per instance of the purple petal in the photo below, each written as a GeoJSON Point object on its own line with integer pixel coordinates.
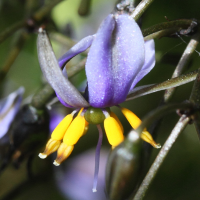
{"type": "Point", "coordinates": [8, 109]}
{"type": "Point", "coordinates": [99, 67]}
{"type": "Point", "coordinates": [63, 102]}
{"type": "Point", "coordinates": [127, 56]}
{"type": "Point", "coordinates": [76, 49]}
{"type": "Point", "coordinates": [51, 70]}
{"type": "Point", "coordinates": [148, 64]}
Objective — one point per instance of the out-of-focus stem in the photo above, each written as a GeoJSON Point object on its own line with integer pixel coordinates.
{"type": "Point", "coordinates": [77, 68]}
{"type": "Point", "coordinates": [84, 7]}
{"type": "Point", "coordinates": [174, 82]}
{"type": "Point", "coordinates": [161, 29]}
{"type": "Point", "coordinates": [62, 39]}
{"type": "Point", "coordinates": [12, 29]}
{"type": "Point", "coordinates": [195, 99]}
{"type": "Point", "coordinates": [14, 52]}
{"type": "Point", "coordinates": [139, 10]}
{"type": "Point", "coordinates": [186, 56]}
{"type": "Point", "coordinates": [183, 121]}
{"type": "Point", "coordinates": [38, 15]}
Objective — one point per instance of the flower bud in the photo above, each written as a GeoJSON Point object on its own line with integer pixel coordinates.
{"type": "Point", "coordinates": [123, 168]}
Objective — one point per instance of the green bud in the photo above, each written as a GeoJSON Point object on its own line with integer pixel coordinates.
{"type": "Point", "coordinates": [94, 115]}
{"type": "Point", "coordinates": [124, 168]}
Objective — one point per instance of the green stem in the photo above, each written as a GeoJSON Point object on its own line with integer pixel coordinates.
{"type": "Point", "coordinates": [38, 15]}
{"type": "Point", "coordinates": [166, 28]}
{"type": "Point", "coordinates": [174, 82]}
{"type": "Point", "coordinates": [45, 10]}
{"type": "Point", "coordinates": [12, 29]}
{"type": "Point", "coordinates": [185, 58]}
{"type": "Point", "coordinates": [161, 111]}
{"type": "Point", "coordinates": [14, 52]}
{"type": "Point", "coordinates": [183, 121]}
{"type": "Point", "coordinates": [140, 9]}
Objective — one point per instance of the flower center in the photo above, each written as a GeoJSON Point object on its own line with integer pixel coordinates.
{"type": "Point", "coordinates": [95, 115]}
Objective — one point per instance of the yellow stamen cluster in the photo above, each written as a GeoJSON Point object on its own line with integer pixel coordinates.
{"type": "Point", "coordinates": [70, 130]}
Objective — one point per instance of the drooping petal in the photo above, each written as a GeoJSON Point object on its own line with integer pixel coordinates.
{"type": "Point", "coordinates": [148, 64]}
{"type": "Point", "coordinates": [99, 67]}
{"type": "Point", "coordinates": [127, 55]}
{"type": "Point", "coordinates": [53, 73]}
{"type": "Point", "coordinates": [76, 49]}
{"type": "Point", "coordinates": [8, 109]}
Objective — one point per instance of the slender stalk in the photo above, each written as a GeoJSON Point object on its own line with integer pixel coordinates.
{"type": "Point", "coordinates": [77, 68]}
{"type": "Point", "coordinates": [84, 7]}
{"type": "Point", "coordinates": [183, 121]}
{"type": "Point", "coordinates": [62, 39]}
{"type": "Point", "coordinates": [12, 29]}
{"type": "Point", "coordinates": [139, 10]}
{"type": "Point", "coordinates": [174, 82]}
{"type": "Point", "coordinates": [185, 58]}
{"type": "Point", "coordinates": [38, 15]}
{"type": "Point", "coordinates": [195, 99]}
{"type": "Point", "coordinates": [161, 111]}
{"type": "Point", "coordinates": [176, 25]}
{"type": "Point", "coordinates": [14, 52]}
{"type": "Point", "coordinates": [97, 158]}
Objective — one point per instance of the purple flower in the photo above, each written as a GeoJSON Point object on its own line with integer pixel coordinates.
{"type": "Point", "coordinates": [118, 59]}
{"type": "Point", "coordinates": [8, 109]}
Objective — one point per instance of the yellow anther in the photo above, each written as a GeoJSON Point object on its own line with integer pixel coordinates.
{"type": "Point", "coordinates": [135, 122]}
{"type": "Point", "coordinates": [112, 114]}
{"type": "Point", "coordinates": [51, 146]}
{"type": "Point", "coordinates": [146, 136]}
{"type": "Point", "coordinates": [131, 117]}
{"type": "Point", "coordinates": [60, 130]}
{"type": "Point", "coordinates": [113, 131]}
{"type": "Point", "coordinates": [75, 131]}
{"type": "Point", "coordinates": [80, 111]}
{"type": "Point", "coordinates": [86, 128]}
{"type": "Point", "coordinates": [64, 152]}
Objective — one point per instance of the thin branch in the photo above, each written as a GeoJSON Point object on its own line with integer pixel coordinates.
{"type": "Point", "coordinates": [185, 58]}
{"type": "Point", "coordinates": [183, 121]}
{"type": "Point", "coordinates": [45, 10]}
{"type": "Point", "coordinates": [175, 25]}
{"type": "Point", "coordinates": [84, 7]}
{"type": "Point", "coordinates": [77, 68]}
{"type": "Point", "coordinates": [174, 82]}
{"type": "Point", "coordinates": [139, 10]}
{"type": "Point", "coordinates": [12, 29]}
{"type": "Point", "coordinates": [195, 99]}
{"type": "Point", "coordinates": [38, 15]}
{"type": "Point", "coordinates": [14, 52]}
{"type": "Point", "coordinates": [160, 112]}
{"type": "Point", "coordinates": [62, 39]}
